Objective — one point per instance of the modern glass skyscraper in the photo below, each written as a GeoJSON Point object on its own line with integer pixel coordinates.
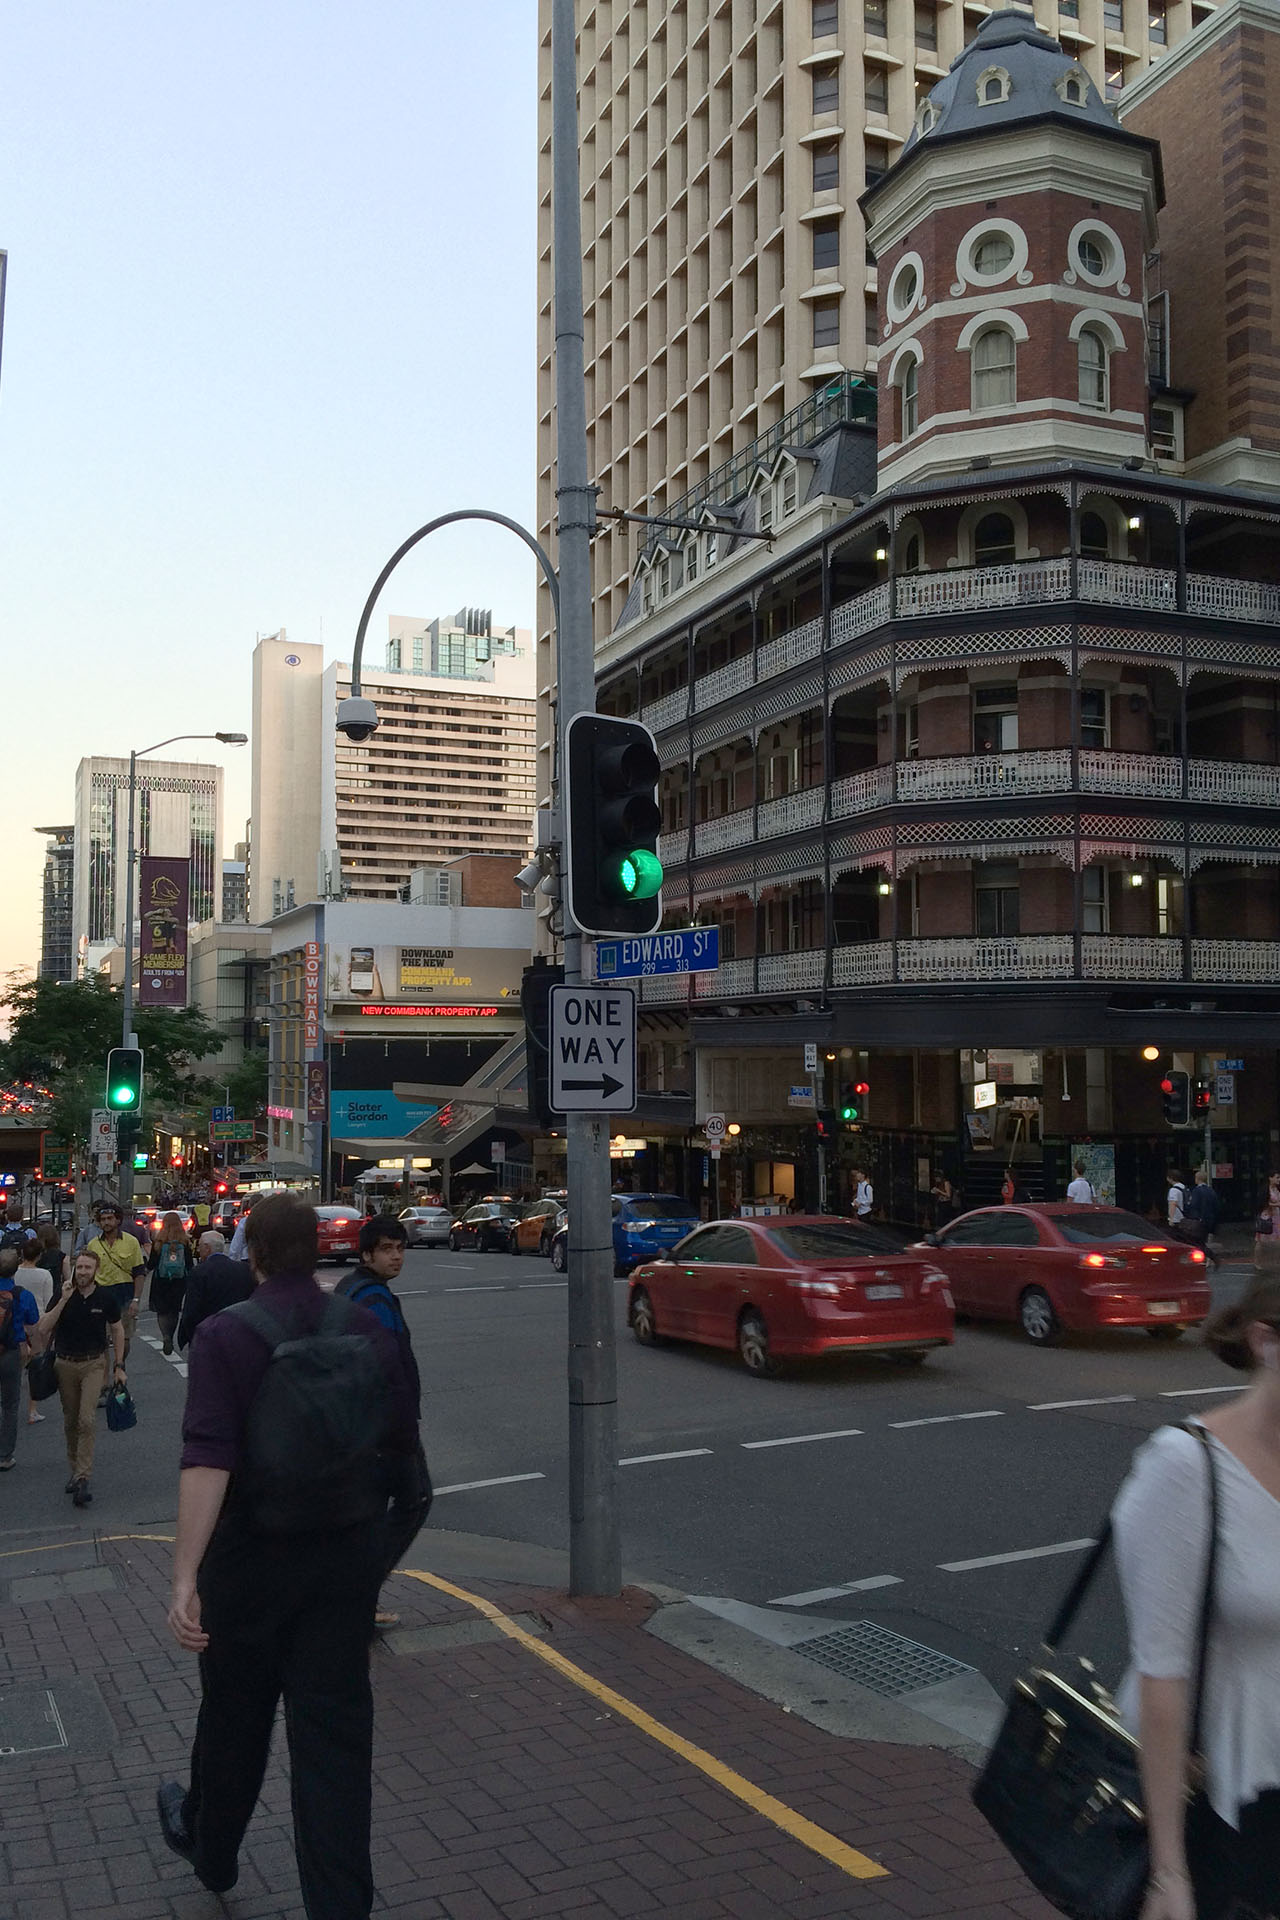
{"type": "Point", "coordinates": [178, 812]}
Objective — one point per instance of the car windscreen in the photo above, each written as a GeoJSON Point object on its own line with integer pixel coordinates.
{"type": "Point", "coordinates": [1084, 1229]}
{"type": "Point", "coordinates": [658, 1209]}
{"type": "Point", "coordinates": [838, 1241]}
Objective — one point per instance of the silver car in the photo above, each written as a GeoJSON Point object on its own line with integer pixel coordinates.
{"type": "Point", "coordinates": [427, 1226]}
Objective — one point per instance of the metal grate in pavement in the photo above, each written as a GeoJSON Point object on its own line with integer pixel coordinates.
{"type": "Point", "coordinates": [882, 1662]}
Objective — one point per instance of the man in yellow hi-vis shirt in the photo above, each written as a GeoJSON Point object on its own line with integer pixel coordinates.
{"type": "Point", "coordinates": [120, 1270]}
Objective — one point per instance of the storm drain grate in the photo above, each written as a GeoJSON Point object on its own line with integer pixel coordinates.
{"type": "Point", "coordinates": [882, 1662]}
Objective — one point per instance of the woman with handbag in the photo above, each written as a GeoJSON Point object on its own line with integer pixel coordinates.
{"type": "Point", "coordinates": [1217, 1853]}
{"type": "Point", "coordinates": [169, 1263]}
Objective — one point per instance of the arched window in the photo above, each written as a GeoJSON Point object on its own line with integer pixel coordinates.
{"type": "Point", "coordinates": [994, 541]}
{"type": "Point", "coordinates": [910, 388]}
{"type": "Point", "coordinates": [995, 369]}
{"type": "Point", "coordinates": [1091, 352]}
{"type": "Point", "coordinates": [911, 555]}
{"type": "Point", "coordinates": [1093, 537]}
{"type": "Point", "coordinates": [1072, 91]}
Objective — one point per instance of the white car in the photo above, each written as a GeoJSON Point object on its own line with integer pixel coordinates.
{"type": "Point", "coordinates": [427, 1226]}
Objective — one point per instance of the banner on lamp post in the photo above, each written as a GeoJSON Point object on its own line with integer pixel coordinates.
{"type": "Point", "coordinates": [317, 1090]}
{"type": "Point", "coordinates": [164, 893]}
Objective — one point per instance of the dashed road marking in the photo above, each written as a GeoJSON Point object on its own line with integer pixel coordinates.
{"type": "Point", "coordinates": [481, 1289]}
{"type": "Point", "coordinates": [1110, 1400]}
{"type": "Point", "coordinates": [817, 1594]}
{"type": "Point", "coordinates": [647, 1459]}
{"type": "Point", "coordinates": [1182, 1393]}
{"type": "Point", "coordinates": [946, 1419]}
{"type": "Point", "coordinates": [504, 1480]}
{"type": "Point", "coordinates": [802, 1439]}
{"type": "Point", "coordinates": [1006, 1559]}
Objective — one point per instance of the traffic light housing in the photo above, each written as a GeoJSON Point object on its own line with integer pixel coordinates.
{"type": "Point", "coordinates": [124, 1080]}
{"type": "Point", "coordinates": [826, 1119]}
{"type": "Point", "coordinates": [1202, 1096]}
{"type": "Point", "coordinates": [535, 1004]}
{"type": "Point", "coordinates": [1175, 1094]}
{"type": "Point", "coordinates": [613, 874]}
{"type": "Point", "coordinates": [853, 1101]}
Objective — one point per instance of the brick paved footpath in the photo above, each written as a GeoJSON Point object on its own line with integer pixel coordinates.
{"type": "Point", "coordinates": [501, 1788]}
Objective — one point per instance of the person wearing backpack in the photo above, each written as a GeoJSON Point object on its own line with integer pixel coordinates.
{"type": "Point", "coordinates": [296, 1405]}
{"type": "Point", "coordinates": [18, 1311]}
{"type": "Point", "coordinates": [382, 1243]}
{"type": "Point", "coordinates": [169, 1263]}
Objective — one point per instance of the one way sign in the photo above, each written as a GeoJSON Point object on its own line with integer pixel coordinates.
{"type": "Point", "coordinates": [593, 1050]}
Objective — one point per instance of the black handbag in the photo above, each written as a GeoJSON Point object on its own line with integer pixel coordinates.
{"type": "Point", "coordinates": [1061, 1785]}
{"type": "Point", "coordinates": [42, 1375]}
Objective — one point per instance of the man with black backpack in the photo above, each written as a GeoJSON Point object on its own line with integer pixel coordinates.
{"type": "Point", "coordinates": [382, 1243]}
{"type": "Point", "coordinates": [298, 1408]}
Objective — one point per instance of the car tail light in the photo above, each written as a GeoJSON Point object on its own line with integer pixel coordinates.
{"type": "Point", "coordinates": [1102, 1260]}
{"type": "Point", "coordinates": [829, 1289]}
{"type": "Point", "coordinates": [937, 1283]}
{"type": "Point", "coordinates": [1196, 1256]}
{"type": "Point", "coordinates": [1152, 1249]}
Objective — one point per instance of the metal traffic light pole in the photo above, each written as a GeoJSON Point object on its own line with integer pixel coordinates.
{"type": "Point", "coordinates": [595, 1547]}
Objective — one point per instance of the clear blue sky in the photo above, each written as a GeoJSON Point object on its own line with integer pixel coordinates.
{"type": "Point", "coordinates": [270, 307]}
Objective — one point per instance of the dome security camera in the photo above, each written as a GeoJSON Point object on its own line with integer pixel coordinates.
{"type": "Point", "coordinates": [358, 719]}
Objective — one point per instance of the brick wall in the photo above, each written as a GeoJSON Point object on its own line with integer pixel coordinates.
{"type": "Point", "coordinates": [488, 879]}
{"type": "Point", "coordinates": [1221, 153]}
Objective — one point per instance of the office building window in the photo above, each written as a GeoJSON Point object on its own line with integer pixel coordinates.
{"type": "Point", "coordinates": [826, 166]}
{"type": "Point", "coordinates": [826, 244]}
{"type": "Point", "coordinates": [875, 17]}
{"type": "Point", "coordinates": [876, 90]}
{"type": "Point", "coordinates": [826, 323]}
{"type": "Point", "coordinates": [927, 26]}
{"type": "Point", "coordinates": [826, 89]}
{"type": "Point", "coordinates": [826, 17]}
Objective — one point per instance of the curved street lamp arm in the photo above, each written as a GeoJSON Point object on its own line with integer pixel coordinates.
{"type": "Point", "coordinates": [433, 526]}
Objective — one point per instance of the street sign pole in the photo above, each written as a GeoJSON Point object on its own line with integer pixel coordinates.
{"type": "Point", "coordinates": [595, 1546]}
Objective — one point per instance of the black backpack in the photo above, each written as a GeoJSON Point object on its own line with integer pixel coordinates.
{"type": "Point", "coordinates": [316, 1427]}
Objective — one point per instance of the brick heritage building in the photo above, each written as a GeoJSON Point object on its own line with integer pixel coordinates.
{"type": "Point", "coordinates": [977, 764]}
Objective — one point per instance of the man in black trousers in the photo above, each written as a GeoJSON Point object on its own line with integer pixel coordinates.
{"type": "Point", "coordinates": [281, 1548]}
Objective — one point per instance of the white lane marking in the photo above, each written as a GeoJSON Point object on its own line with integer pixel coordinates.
{"type": "Point", "coordinates": [534, 1286]}
{"type": "Point", "coordinates": [506, 1480]}
{"type": "Point", "coordinates": [646, 1459]}
{"type": "Point", "coordinates": [175, 1361]}
{"type": "Point", "coordinates": [475, 1289]}
{"type": "Point", "coordinates": [817, 1594]}
{"type": "Point", "coordinates": [1111, 1400]}
{"type": "Point", "coordinates": [945, 1419]}
{"type": "Point", "coordinates": [1005, 1559]}
{"type": "Point", "coordinates": [1182, 1393]}
{"type": "Point", "coordinates": [802, 1439]}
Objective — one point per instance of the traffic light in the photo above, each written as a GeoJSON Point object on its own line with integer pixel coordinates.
{"type": "Point", "coordinates": [853, 1101]}
{"type": "Point", "coordinates": [124, 1080]}
{"type": "Point", "coordinates": [826, 1120]}
{"type": "Point", "coordinates": [1175, 1093]}
{"type": "Point", "coordinates": [1202, 1096]}
{"type": "Point", "coordinates": [535, 1004]}
{"type": "Point", "coordinates": [612, 817]}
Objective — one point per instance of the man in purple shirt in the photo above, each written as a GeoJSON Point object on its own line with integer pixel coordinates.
{"type": "Point", "coordinates": [274, 1613]}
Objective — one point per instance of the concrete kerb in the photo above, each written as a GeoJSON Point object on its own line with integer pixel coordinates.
{"type": "Point", "coordinates": [757, 1648]}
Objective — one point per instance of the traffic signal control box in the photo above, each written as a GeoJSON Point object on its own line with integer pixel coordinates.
{"type": "Point", "coordinates": [613, 876]}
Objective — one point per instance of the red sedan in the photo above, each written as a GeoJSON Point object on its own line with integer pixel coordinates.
{"type": "Point", "coordinates": [792, 1288]}
{"type": "Point", "coordinates": [1066, 1267]}
{"type": "Point", "coordinates": [339, 1233]}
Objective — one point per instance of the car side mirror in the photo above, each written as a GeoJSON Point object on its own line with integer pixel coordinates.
{"type": "Point", "coordinates": [932, 1240]}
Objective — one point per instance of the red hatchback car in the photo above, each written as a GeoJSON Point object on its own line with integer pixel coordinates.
{"type": "Point", "coordinates": [1063, 1267]}
{"type": "Point", "coordinates": [339, 1233]}
{"type": "Point", "coordinates": [793, 1287]}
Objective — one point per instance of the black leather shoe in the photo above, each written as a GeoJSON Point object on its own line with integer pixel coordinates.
{"type": "Point", "coordinates": [81, 1497]}
{"type": "Point", "coordinates": [171, 1802]}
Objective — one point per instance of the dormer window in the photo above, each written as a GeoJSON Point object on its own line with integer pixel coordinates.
{"type": "Point", "coordinates": [1071, 88]}
{"type": "Point", "coordinates": [789, 491]}
{"type": "Point", "coordinates": [691, 560]}
{"type": "Point", "coordinates": [764, 511]}
{"type": "Point", "coordinates": [993, 86]}
{"type": "Point", "coordinates": [927, 118]}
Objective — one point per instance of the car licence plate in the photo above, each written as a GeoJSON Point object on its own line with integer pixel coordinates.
{"type": "Point", "coordinates": [1162, 1309]}
{"type": "Point", "coordinates": [884, 1293]}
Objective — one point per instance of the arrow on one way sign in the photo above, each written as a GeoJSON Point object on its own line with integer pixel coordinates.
{"type": "Point", "coordinates": [592, 1041]}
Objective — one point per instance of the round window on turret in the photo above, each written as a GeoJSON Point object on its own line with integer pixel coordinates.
{"type": "Point", "coordinates": [905, 286]}
{"type": "Point", "coordinates": [1093, 254]}
{"type": "Point", "coordinates": [993, 256]}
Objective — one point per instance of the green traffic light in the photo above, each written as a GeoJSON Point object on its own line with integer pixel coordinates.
{"type": "Point", "coordinates": [848, 1113]}
{"type": "Point", "coordinates": [640, 874]}
{"type": "Point", "coordinates": [123, 1096]}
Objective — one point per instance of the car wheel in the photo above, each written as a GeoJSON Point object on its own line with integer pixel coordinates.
{"type": "Point", "coordinates": [454, 1243]}
{"type": "Point", "coordinates": [643, 1324]}
{"type": "Point", "coordinates": [1165, 1333]}
{"type": "Point", "coordinates": [753, 1345]}
{"type": "Point", "coordinates": [1039, 1321]}
{"type": "Point", "coordinates": [559, 1255]}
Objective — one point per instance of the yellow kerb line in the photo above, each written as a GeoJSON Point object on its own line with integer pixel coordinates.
{"type": "Point", "coordinates": [816, 1838]}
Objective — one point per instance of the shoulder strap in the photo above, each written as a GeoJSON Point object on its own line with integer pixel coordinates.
{"type": "Point", "coordinates": [264, 1324]}
{"type": "Point", "coordinates": [1207, 1589]}
{"type": "Point", "coordinates": [1074, 1597]}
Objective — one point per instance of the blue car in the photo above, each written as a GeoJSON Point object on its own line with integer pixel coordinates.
{"type": "Point", "coordinates": [646, 1225]}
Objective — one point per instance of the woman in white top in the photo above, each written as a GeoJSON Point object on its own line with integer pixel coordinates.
{"type": "Point", "coordinates": [1227, 1858]}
